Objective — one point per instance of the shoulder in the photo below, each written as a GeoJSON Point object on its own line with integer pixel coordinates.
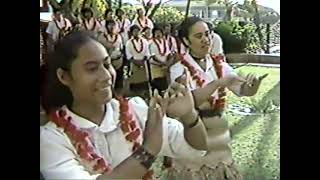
{"type": "Point", "coordinates": [51, 134]}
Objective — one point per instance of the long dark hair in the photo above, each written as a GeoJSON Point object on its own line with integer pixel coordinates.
{"type": "Point", "coordinates": [185, 26]}
{"type": "Point", "coordinates": [55, 94]}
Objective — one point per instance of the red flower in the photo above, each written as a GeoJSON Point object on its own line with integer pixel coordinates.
{"type": "Point", "coordinates": [133, 124]}
{"type": "Point", "coordinates": [61, 113]}
{"type": "Point", "coordinates": [125, 127]}
{"type": "Point", "coordinates": [133, 135]}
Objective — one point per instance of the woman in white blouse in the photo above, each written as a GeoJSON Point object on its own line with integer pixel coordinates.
{"type": "Point", "coordinates": [89, 22]}
{"type": "Point", "coordinates": [137, 53]}
{"type": "Point", "coordinates": [93, 134]}
{"type": "Point", "coordinates": [114, 45]}
{"type": "Point", "coordinates": [160, 52]}
{"type": "Point", "coordinates": [211, 77]}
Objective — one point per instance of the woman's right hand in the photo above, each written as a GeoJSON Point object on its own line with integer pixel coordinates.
{"type": "Point", "coordinates": [153, 131]}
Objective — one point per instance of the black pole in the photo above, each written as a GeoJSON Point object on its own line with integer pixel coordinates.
{"type": "Point", "coordinates": [187, 9]}
{"type": "Point", "coordinates": [268, 38]}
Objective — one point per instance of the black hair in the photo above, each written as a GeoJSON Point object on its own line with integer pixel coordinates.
{"type": "Point", "coordinates": [145, 28]}
{"type": "Point", "coordinates": [55, 10]}
{"type": "Point", "coordinates": [85, 10]}
{"type": "Point", "coordinates": [184, 27]}
{"type": "Point", "coordinates": [157, 28]}
{"type": "Point", "coordinates": [139, 9]}
{"type": "Point", "coordinates": [118, 11]}
{"type": "Point", "coordinates": [133, 27]}
{"type": "Point", "coordinates": [109, 22]}
{"type": "Point", "coordinates": [210, 26]}
{"type": "Point", "coordinates": [54, 94]}
{"type": "Point", "coordinates": [107, 11]}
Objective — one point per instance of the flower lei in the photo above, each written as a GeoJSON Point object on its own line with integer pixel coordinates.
{"type": "Point", "coordinates": [80, 138]}
{"type": "Point", "coordinates": [170, 41]}
{"type": "Point", "coordinates": [145, 23]}
{"type": "Point", "coordinates": [86, 24]}
{"type": "Point", "coordinates": [159, 48]}
{"type": "Point", "coordinates": [135, 47]}
{"type": "Point", "coordinates": [112, 41]}
{"type": "Point", "coordinates": [219, 103]}
{"type": "Point", "coordinates": [62, 30]}
{"type": "Point", "coordinates": [65, 28]}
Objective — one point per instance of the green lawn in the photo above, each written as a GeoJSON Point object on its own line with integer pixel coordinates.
{"type": "Point", "coordinates": [256, 139]}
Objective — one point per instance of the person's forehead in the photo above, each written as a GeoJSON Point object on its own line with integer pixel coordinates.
{"type": "Point", "coordinates": [92, 50]}
{"type": "Point", "coordinates": [199, 27]}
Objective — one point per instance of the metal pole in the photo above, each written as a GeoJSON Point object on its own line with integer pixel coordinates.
{"type": "Point", "coordinates": [187, 9]}
{"type": "Point", "coordinates": [268, 38]}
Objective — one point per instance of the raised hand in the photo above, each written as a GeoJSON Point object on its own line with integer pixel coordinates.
{"type": "Point", "coordinates": [252, 84]}
{"type": "Point", "coordinates": [153, 131]}
{"type": "Point", "coordinates": [180, 101]}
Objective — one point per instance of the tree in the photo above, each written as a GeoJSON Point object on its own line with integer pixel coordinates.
{"type": "Point", "coordinates": [72, 8]}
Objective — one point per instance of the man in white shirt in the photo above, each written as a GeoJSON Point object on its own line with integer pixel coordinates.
{"type": "Point", "coordinates": [57, 28]}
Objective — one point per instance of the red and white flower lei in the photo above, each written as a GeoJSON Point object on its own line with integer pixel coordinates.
{"type": "Point", "coordinates": [159, 48]}
{"type": "Point", "coordinates": [218, 104]}
{"type": "Point", "coordinates": [135, 47]}
{"type": "Point", "coordinates": [114, 39]}
{"type": "Point", "coordinates": [81, 142]}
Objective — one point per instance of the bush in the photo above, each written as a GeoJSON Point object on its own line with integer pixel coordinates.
{"type": "Point", "coordinates": [168, 15]}
{"type": "Point", "coordinates": [238, 37]}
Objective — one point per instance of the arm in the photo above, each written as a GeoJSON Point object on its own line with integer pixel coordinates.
{"type": "Point", "coordinates": [58, 161]}
{"type": "Point", "coordinates": [194, 130]}
{"type": "Point", "coordinates": [201, 95]}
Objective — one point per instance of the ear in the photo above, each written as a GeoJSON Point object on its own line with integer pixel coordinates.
{"type": "Point", "coordinates": [63, 77]}
{"type": "Point", "coordinates": [186, 41]}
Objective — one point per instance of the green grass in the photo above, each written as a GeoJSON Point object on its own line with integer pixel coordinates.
{"type": "Point", "coordinates": [256, 139]}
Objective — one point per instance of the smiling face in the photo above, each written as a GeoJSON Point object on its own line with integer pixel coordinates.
{"type": "Point", "coordinates": [91, 76]}
{"type": "Point", "coordinates": [199, 39]}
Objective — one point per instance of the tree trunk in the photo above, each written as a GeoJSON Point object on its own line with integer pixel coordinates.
{"type": "Point", "coordinates": [119, 3]}
{"type": "Point", "coordinates": [257, 23]}
{"type": "Point", "coordinates": [154, 10]}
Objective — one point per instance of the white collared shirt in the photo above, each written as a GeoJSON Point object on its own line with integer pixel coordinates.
{"type": "Point", "coordinates": [118, 45]}
{"type": "Point", "coordinates": [59, 159]}
{"type": "Point", "coordinates": [131, 52]}
{"type": "Point", "coordinates": [143, 24]}
{"type": "Point", "coordinates": [126, 27]}
{"type": "Point", "coordinates": [53, 30]}
{"type": "Point", "coordinates": [154, 50]}
{"type": "Point", "coordinates": [217, 46]}
{"type": "Point", "coordinates": [210, 74]}
{"type": "Point", "coordinates": [172, 44]}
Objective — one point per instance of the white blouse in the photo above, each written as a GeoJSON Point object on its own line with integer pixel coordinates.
{"type": "Point", "coordinates": [59, 159]}
{"type": "Point", "coordinates": [117, 44]}
{"type": "Point", "coordinates": [143, 24]}
{"type": "Point", "coordinates": [210, 74]}
{"type": "Point", "coordinates": [217, 46]}
{"type": "Point", "coordinates": [155, 50]}
{"type": "Point", "coordinates": [53, 30]}
{"type": "Point", "coordinates": [172, 44]}
{"type": "Point", "coordinates": [126, 26]}
{"type": "Point", "coordinates": [132, 52]}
